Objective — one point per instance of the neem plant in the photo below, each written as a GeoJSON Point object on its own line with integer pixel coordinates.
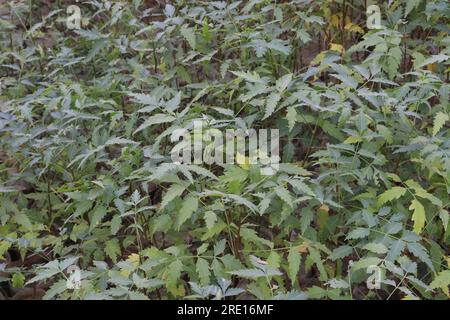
{"type": "Point", "coordinates": [92, 207]}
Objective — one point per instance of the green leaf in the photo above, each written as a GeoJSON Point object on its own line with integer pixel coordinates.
{"type": "Point", "coordinates": [249, 273]}
{"type": "Point", "coordinates": [82, 207]}
{"type": "Point", "coordinates": [315, 257]}
{"type": "Point", "coordinates": [250, 77]}
{"type": "Point", "coordinates": [56, 288]}
{"type": "Point", "coordinates": [410, 5]}
{"type": "Point", "coordinates": [98, 215]}
{"type": "Point", "coordinates": [433, 59]}
{"type": "Point", "coordinates": [284, 195]}
{"type": "Point", "coordinates": [341, 252]}
{"type": "Point", "coordinates": [116, 223]}
{"type": "Point", "coordinates": [174, 191]}
{"type": "Point", "coordinates": [256, 273]}
{"type": "Point", "coordinates": [442, 280]}
{"type": "Point", "coordinates": [395, 250]}
{"type": "Point", "coordinates": [283, 82]}
{"type": "Point", "coordinates": [23, 220]}
{"type": "Point", "coordinates": [210, 219]}
{"type": "Point", "coordinates": [271, 104]}
{"type": "Point", "coordinates": [443, 214]}
{"type": "Point", "coordinates": [189, 35]}
{"type": "Point", "coordinates": [190, 205]}
{"type": "Point", "coordinates": [202, 267]}
{"type": "Point", "coordinates": [173, 273]}
{"type": "Point", "coordinates": [156, 119]}
{"type": "Point", "coordinates": [420, 252]}
{"type": "Point", "coordinates": [291, 117]}
{"type": "Point", "coordinates": [294, 259]}
{"type": "Point", "coordinates": [439, 120]}
{"type": "Point", "coordinates": [391, 194]}
{"type": "Point", "coordinates": [112, 249]}
{"type": "Point", "coordinates": [364, 263]}
{"type": "Point", "coordinates": [274, 259]}
{"type": "Point", "coordinates": [378, 248]}
{"type": "Point", "coordinates": [18, 280]}
{"type": "Point", "coordinates": [4, 246]}
{"type": "Point", "coordinates": [358, 233]}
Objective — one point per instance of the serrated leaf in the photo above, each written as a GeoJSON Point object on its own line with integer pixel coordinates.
{"type": "Point", "coordinates": [203, 272]}
{"type": "Point", "coordinates": [271, 104]}
{"type": "Point", "coordinates": [341, 252]}
{"type": "Point", "coordinates": [294, 259]}
{"type": "Point", "coordinates": [56, 288]}
{"type": "Point", "coordinates": [443, 214]}
{"type": "Point", "coordinates": [391, 194]}
{"type": "Point", "coordinates": [250, 77]}
{"type": "Point", "coordinates": [174, 191]}
{"type": "Point", "coordinates": [395, 250]}
{"type": "Point", "coordinates": [291, 117]}
{"type": "Point", "coordinates": [118, 140]}
{"type": "Point", "coordinates": [190, 205]}
{"type": "Point", "coordinates": [284, 195]}
{"type": "Point", "coordinates": [23, 220]}
{"type": "Point", "coordinates": [364, 263]}
{"type": "Point", "coordinates": [376, 248]}
{"type": "Point", "coordinates": [410, 5]}
{"type": "Point", "coordinates": [189, 35]}
{"type": "Point", "coordinates": [283, 82]}
{"type": "Point", "coordinates": [442, 280]}
{"type": "Point", "coordinates": [433, 59]}
{"type": "Point", "coordinates": [98, 215]}
{"type": "Point", "coordinates": [173, 273]}
{"type": "Point", "coordinates": [439, 120]}
{"type": "Point", "coordinates": [116, 223]}
{"type": "Point", "coordinates": [156, 119]}
{"type": "Point", "coordinates": [210, 219]}
{"type": "Point", "coordinates": [18, 280]}
{"type": "Point", "coordinates": [420, 252]}
{"type": "Point", "coordinates": [112, 249]}
{"type": "Point", "coordinates": [358, 233]}
{"type": "Point", "coordinates": [248, 273]}
{"type": "Point", "coordinates": [418, 215]}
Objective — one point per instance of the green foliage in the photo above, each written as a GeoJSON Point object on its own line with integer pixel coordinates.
{"type": "Point", "coordinates": [86, 176]}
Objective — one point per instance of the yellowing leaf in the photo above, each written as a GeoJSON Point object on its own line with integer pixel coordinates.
{"type": "Point", "coordinates": [134, 259]}
{"type": "Point", "coordinates": [337, 47]}
{"type": "Point", "coordinates": [324, 207]}
{"type": "Point", "coordinates": [335, 20]}
{"type": "Point", "coordinates": [432, 67]}
{"type": "Point", "coordinates": [242, 161]}
{"type": "Point", "coordinates": [442, 280]}
{"type": "Point", "coordinates": [353, 28]}
{"type": "Point", "coordinates": [353, 139]}
{"type": "Point", "coordinates": [317, 59]}
{"type": "Point", "coordinates": [418, 215]}
{"type": "Point", "coordinates": [303, 248]}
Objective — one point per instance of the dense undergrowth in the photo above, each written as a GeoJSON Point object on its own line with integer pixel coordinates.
{"type": "Point", "coordinates": [86, 177]}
